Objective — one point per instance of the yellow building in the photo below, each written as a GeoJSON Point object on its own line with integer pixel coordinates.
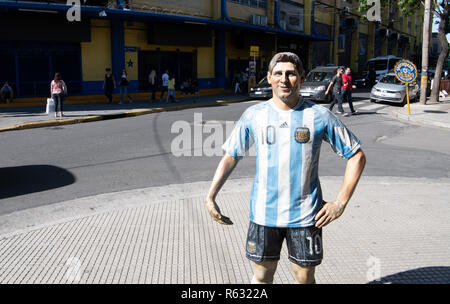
{"type": "Point", "coordinates": [208, 40]}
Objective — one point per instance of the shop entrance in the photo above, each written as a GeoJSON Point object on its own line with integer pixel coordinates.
{"type": "Point", "coordinates": [182, 65]}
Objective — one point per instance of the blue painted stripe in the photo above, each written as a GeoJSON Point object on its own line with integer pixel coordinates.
{"type": "Point", "coordinates": [272, 170]}
{"type": "Point", "coordinates": [314, 182]}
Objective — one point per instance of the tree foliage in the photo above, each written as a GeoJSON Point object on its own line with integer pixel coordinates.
{"type": "Point", "coordinates": [440, 9]}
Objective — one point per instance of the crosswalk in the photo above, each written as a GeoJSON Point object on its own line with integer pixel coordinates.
{"type": "Point", "coordinates": [365, 106]}
{"type": "Point", "coordinates": [361, 105]}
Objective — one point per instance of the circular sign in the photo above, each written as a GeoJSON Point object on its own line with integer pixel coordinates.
{"type": "Point", "coordinates": [405, 71]}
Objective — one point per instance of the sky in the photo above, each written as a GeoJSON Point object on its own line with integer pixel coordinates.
{"type": "Point", "coordinates": [435, 29]}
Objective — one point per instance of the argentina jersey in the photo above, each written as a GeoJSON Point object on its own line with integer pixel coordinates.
{"type": "Point", "coordinates": [286, 189]}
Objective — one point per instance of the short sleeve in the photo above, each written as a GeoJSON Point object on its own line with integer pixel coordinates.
{"type": "Point", "coordinates": [241, 138]}
{"type": "Point", "coordinates": [343, 142]}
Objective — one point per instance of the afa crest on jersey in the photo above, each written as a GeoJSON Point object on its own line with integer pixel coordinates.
{"type": "Point", "coordinates": [251, 246]}
{"type": "Point", "coordinates": [302, 135]}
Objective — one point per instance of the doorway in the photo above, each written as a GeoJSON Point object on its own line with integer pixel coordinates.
{"type": "Point", "coordinates": [182, 65]}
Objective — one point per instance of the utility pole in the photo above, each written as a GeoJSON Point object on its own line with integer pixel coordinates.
{"type": "Point", "coordinates": [425, 48]}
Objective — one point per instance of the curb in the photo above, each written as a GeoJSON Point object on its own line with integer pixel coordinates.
{"type": "Point", "coordinates": [133, 113]}
{"type": "Point", "coordinates": [420, 121]}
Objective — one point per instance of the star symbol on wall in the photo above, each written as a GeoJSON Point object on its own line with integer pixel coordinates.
{"type": "Point", "coordinates": [130, 63]}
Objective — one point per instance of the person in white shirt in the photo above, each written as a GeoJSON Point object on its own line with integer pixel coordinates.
{"type": "Point", "coordinates": [152, 82]}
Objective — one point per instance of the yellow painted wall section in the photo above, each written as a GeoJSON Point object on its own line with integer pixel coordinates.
{"type": "Point", "coordinates": [196, 8]}
{"type": "Point", "coordinates": [205, 62]}
{"type": "Point", "coordinates": [307, 9]}
{"type": "Point", "coordinates": [363, 27]}
{"type": "Point", "coordinates": [96, 55]}
{"type": "Point", "coordinates": [323, 16]}
{"type": "Point", "coordinates": [241, 12]}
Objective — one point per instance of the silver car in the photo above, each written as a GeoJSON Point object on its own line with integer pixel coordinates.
{"type": "Point", "coordinates": [316, 83]}
{"type": "Point", "coordinates": [390, 89]}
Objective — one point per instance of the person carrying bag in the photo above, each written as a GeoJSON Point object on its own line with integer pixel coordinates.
{"type": "Point", "coordinates": [57, 92]}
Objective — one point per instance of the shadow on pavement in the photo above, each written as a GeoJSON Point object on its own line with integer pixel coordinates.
{"type": "Point", "coordinates": [364, 113]}
{"type": "Point", "coordinates": [425, 275]}
{"type": "Point", "coordinates": [435, 111]}
{"type": "Point", "coordinates": [15, 181]}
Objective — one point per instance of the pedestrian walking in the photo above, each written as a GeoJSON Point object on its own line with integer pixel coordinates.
{"type": "Point", "coordinates": [57, 93]}
{"type": "Point", "coordinates": [171, 90]}
{"type": "Point", "coordinates": [347, 87]}
{"type": "Point", "coordinates": [123, 87]}
{"type": "Point", "coordinates": [165, 79]}
{"type": "Point", "coordinates": [152, 82]}
{"type": "Point", "coordinates": [109, 84]}
{"type": "Point", "coordinates": [6, 93]}
{"type": "Point", "coordinates": [336, 86]}
{"type": "Point", "coordinates": [237, 82]}
{"type": "Point", "coordinates": [286, 200]}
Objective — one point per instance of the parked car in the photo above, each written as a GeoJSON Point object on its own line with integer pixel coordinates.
{"type": "Point", "coordinates": [316, 83]}
{"type": "Point", "coordinates": [262, 90]}
{"type": "Point", "coordinates": [390, 89]}
{"type": "Point", "coordinates": [382, 64]}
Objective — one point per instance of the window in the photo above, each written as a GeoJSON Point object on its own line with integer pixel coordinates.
{"type": "Point", "coordinates": [390, 79]}
{"type": "Point", "coordinates": [292, 14]}
{"type": "Point", "coordinates": [341, 41]}
{"type": "Point", "coordinates": [252, 3]}
{"type": "Point", "coordinates": [319, 76]}
{"type": "Point", "coordinates": [377, 65]}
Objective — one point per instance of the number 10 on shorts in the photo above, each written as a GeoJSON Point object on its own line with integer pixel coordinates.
{"type": "Point", "coordinates": [314, 244]}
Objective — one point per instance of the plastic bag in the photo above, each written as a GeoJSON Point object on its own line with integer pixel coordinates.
{"type": "Point", "coordinates": [50, 106]}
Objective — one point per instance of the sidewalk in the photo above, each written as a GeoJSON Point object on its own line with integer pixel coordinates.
{"type": "Point", "coordinates": [165, 235]}
{"type": "Point", "coordinates": [26, 117]}
{"type": "Point", "coordinates": [32, 115]}
{"type": "Point", "coordinates": [431, 114]}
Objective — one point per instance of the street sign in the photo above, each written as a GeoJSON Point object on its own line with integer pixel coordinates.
{"type": "Point", "coordinates": [406, 72]}
{"type": "Point", "coordinates": [254, 51]}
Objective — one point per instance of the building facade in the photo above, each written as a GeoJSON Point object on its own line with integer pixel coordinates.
{"type": "Point", "coordinates": [208, 40]}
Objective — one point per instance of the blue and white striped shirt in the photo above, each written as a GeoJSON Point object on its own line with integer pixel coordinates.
{"type": "Point", "coordinates": [286, 189]}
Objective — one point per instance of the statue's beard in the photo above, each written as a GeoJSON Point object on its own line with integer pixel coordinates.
{"type": "Point", "coordinates": [287, 97]}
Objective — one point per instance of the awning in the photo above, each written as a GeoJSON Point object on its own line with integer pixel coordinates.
{"type": "Point", "coordinates": [132, 15]}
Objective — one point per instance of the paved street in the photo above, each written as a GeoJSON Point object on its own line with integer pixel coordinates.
{"type": "Point", "coordinates": [107, 201]}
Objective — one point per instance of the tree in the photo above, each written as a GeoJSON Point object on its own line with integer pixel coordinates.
{"type": "Point", "coordinates": [440, 9]}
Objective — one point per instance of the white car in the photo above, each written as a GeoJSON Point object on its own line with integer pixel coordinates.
{"type": "Point", "coordinates": [390, 89]}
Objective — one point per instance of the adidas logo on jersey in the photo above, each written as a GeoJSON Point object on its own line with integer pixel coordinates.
{"type": "Point", "coordinates": [284, 125]}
